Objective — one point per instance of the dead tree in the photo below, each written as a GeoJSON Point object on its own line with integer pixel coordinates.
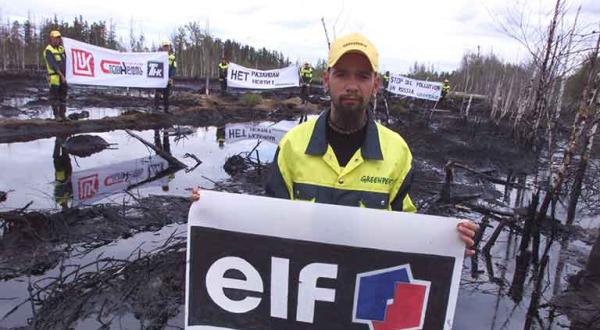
{"type": "Point", "coordinates": [581, 126]}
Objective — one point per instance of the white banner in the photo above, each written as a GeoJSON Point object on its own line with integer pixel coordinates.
{"type": "Point", "coordinates": [251, 131]}
{"type": "Point", "coordinates": [420, 89]}
{"type": "Point", "coordinates": [334, 267]}
{"type": "Point", "coordinates": [241, 77]}
{"type": "Point", "coordinates": [94, 184]}
{"type": "Point", "coordinates": [92, 65]}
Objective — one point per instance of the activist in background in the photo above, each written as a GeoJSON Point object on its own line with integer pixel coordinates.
{"type": "Point", "coordinates": [306, 75]}
{"type": "Point", "coordinates": [166, 92]}
{"type": "Point", "coordinates": [386, 81]}
{"type": "Point", "coordinates": [223, 66]}
{"type": "Point", "coordinates": [344, 157]}
{"type": "Point", "coordinates": [445, 88]}
{"type": "Point", "coordinates": [55, 58]}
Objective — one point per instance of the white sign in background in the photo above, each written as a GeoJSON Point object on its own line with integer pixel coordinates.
{"type": "Point", "coordinates": [94, 184]}
{"type": "Point", "coordinates": [251, 131]}
{"type": "Point", "coordinates": [420, 89]}
{"type": "Point", "coordinates": [92, 65]}
{"type": "Point", "coordinates": [330, 224]}
{"type": "Point", "coordinates": [242, 77]}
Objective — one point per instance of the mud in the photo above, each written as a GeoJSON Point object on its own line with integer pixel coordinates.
{"type": "Point", "coordinates": [145, 289]}
{"type": "Point", "coordinates": [33, 242]}
{"type": "Point", "coordinates": [186, 108]}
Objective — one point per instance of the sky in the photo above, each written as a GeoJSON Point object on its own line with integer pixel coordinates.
{"type": "Point", "coordinates": [432, 32]}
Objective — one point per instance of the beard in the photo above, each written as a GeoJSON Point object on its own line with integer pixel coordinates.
{"type": "Point", "coordinates": [350, 113]}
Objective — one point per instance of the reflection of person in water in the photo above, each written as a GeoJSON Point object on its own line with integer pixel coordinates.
{"type": "Point", "coordinates": [166, 147]}
{"type": "Point", "coordinates": [221, 136]}
{"type": "Point", "coordinates": [63, 189]}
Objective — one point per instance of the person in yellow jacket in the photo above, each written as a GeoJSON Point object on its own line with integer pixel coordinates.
{"type": "Point", "coordinates": [344, 157]}
{"type": "Point", "coordinates": [445, 88]}
{"type": "Point", "coordinates": [166, 92]}
{"type": "Point", "coordinates": [223, 67]}
{"type": "Point", "coordinates": [306, 76]}
{"type": "Point", "coordinates": [56, 59]}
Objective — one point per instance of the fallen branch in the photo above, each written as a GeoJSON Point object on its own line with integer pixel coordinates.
{"type": "Point", "coordinates": [172, 160]}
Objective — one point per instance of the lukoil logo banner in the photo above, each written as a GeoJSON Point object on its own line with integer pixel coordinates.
{"type": "Point", "coordinates": [421, 89]}
{"type": "Point", "coordinates": [94, 184]}
{"type": "Point", "coordinates": [269, 263]}
{"type": "Point", "coordinates": [242, 77]}
{"type": "Point", "coordinates": [92, 65]}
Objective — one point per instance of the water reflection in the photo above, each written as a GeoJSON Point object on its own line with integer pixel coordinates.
{"type": "Point", "coordinates": [35, 178]}
{"type": "Point", "coordinates": [63, 171]}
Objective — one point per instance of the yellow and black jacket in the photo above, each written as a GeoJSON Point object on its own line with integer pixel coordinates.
{"type": "Point", "coordinates": [306, 74]}
{"type": "Point", "coordinates": [55, 59]}
{"type": "Point", "coordinates": [223, 70]}
{"type": "Point", "coordinates": [172, 65]}
{"type": "Point", "coordinates": [377, 176]}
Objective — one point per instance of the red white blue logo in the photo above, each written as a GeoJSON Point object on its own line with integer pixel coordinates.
{"type": "Point", "coordinates": [390, 299]}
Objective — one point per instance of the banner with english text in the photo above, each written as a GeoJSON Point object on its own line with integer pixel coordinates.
{"type": "Point", "coordinates": [92, 65]}
{"type": "Point", "coordinates": [420, 89]}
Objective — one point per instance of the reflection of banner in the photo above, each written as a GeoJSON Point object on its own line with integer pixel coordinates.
{"type": "Point", "coordinates": [91, 65]}
{"type": "Point", "coordinates": [331, 267]}
{"type": "Point", "coordinates": [241, 77]}
{"type": "Point", "coordinates": [94, 184]}
{"type": "Point", "coordinates": [249, 131]}
{"type": "Point", "coordinates": [420, 89]}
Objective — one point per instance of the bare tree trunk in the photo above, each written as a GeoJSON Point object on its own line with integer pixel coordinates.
{"type": "Point", "coordinates": [539, 103]}
{"type": "Point", "coordinates": [580, 174]}
{"type": "Point", "coordinates": [561, 91]}
{"type": "Point", "coordinates": [590, 93]}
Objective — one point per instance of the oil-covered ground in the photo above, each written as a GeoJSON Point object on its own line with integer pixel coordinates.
{"type": "Point", "coordinates": [117, 259]}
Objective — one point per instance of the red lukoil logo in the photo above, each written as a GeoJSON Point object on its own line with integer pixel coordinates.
{"type": "Point", "coordinates": [83, 63]}
{"type": "Point", "coordinates": [88, 186]}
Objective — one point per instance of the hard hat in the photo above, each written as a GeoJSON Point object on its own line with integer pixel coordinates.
{"type": "Point", "coordinates": [446, 80]}
{"type": "Point", "coordinates": [166, 43]}
{"type": "Point", "coordinates": [55, 34]}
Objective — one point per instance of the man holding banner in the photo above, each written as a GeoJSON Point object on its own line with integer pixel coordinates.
{"type": "Point", "coordinates": [55, 58]}
{"type": "Point", "coordinates": [344, 157]}
{"type": "Point", "coordinates": [166, 92]}
{"type": "Point", "coordinates": [223, 69]}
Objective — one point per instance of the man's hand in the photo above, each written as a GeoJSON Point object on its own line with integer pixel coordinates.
{"type": "Point", "coordinates": [466, 232]}
{"type": "Point", "coordinates": [195, 194]}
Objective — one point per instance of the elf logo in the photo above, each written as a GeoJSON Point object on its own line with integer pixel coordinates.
{"type": "Point", "coordinates": [250, 285]}
{"type": "Point", "coordinates": [390, 299]}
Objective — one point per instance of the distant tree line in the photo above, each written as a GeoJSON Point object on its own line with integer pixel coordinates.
{"type": "Point", "coordinates": [22, 43]}
{"type": "Point", "coordinates": [198, 53]}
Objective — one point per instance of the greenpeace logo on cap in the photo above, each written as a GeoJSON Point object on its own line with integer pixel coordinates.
{"type": "Point", "coordinates": [354, 43]}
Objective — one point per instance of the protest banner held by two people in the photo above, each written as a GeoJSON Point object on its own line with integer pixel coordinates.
{"type": "Point", "coordinates": [420, 89]}
{"type": "Point", "coordinates": [92, 65]}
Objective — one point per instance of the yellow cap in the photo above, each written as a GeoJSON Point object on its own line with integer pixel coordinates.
{"type": "Point", "coordinates": [54, 34]}
{"type": "Point", "coordinates": [350, 43]}
{"type": "Point", "coordinates": [166, 43]}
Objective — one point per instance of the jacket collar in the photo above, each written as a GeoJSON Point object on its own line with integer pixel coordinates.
{"type": "Point", "coordinates": [371, 148]}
